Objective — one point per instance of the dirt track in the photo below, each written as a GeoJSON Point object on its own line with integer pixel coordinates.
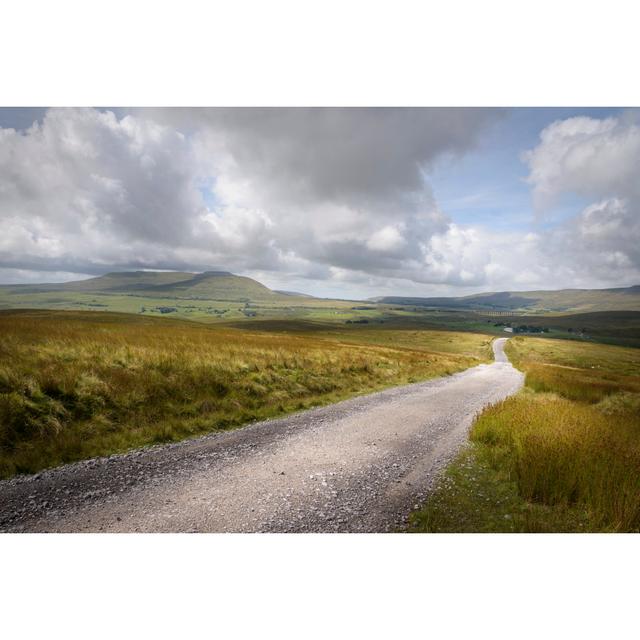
{"type": "Point", "coordinates": [359, 465]}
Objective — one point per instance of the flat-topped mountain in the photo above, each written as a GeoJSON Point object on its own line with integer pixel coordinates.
{"type": "Point", "coordinates": [218, 285]}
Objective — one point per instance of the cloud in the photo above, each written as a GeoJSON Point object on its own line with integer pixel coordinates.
{"type": "Point", "coordinates": [597, 160]}
{"type": "Point", "coordinates": [373, 158]}
{"type": "Point", "coordinates": [343, 188]}
{"type": "Point", "coordinates": [336, 201]}
{"type": "Point", "coordinates": [84, 187]}
{"type": "Point", "coordinates": [590, 157]}
{"type": "Point", "coordinates": [602, 243]}
{"type": "Point", "coordinates": [307, 192]}
{"type": "Point", "coordinates": [387, 239]}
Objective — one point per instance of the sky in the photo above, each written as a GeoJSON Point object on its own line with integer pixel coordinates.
{"type": "Point", "coordinates": [334, 202]}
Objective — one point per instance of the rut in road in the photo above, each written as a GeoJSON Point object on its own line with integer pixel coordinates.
{"type": "Point", "coordinates": [357, 466]}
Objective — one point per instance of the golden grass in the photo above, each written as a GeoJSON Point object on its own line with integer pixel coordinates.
{"type": "Point", "coordinates": [599, 358]}
{"type": "Point", "coordinates": [75, 385]}
{"type": "Point", "coordinates": [578, 384]}
{"type": "Point", "coordinates": [562, 455]}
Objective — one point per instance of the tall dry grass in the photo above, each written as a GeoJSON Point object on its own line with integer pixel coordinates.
{"type": "Point", "coordinates": [582, 385]}
{"type": "Point", "coordinates": [566, 453]}
{"type": "Point", "coordinates": [572, 437]}
{"type": "Point", "coordinates": [75, 385]}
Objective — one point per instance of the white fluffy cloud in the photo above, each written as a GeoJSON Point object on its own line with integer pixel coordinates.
{"type": "Point", "coordinates": [302, 191]}
{"type": "Point", "coordinates": [83, 190]}
{"type": "Point", "coordinates": [388, 239]}
{"type": "Point", "coordinates": [596, 160]}
{"type": "Point", "coordinates": [331, 200]}
{"type": "Point", "coordinates": [586, 156]}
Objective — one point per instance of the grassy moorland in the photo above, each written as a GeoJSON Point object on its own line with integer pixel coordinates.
{"type": "Point", "coordinates": [535, 302]}
{"type": "Point", "coordinates": [609, 327]}
{"type": "Point", "coordinates": [562, 455]}
{"type": "Point", "coordinates": [79, 384]}
{"type": "Point", "coordinates": [222, 297]}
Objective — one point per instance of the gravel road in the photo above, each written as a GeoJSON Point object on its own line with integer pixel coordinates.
{"type": "Point", "coordinates": [356, 466]}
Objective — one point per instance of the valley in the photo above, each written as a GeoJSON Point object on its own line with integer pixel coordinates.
{"type": "Point", "coordinates": [132, 360]}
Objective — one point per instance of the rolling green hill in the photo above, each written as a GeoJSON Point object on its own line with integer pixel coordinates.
{"type": "Point", "coordinates": [210, 284]}
{"type": "Point", "coordinates": [125, 281]}
{"type": "Point", "coordinates": [208, 296]}
{"type": "Point", "coordinates": [220, 296]}
{"type": "Point", "coordinates": [562, 301]}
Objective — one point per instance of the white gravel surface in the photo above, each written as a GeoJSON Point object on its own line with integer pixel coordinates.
{"type": "Point", "coordinates": [357, 466]}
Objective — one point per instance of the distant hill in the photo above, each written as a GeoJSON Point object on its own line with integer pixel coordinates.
{"type": "Point", "coordinates": [215, 285]}
{"type": "Point", "coordinates": [562, 301]}
{"type": "Point", "coordinates": [116, 281]}
{"type": "Point", "coordinates": [292, 293]}
{"type": "Point", "coordinates": [221, 295]}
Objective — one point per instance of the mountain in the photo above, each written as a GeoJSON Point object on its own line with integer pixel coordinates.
{"type": "Point", "coordinates": [561, 301]}
{"type": "Point", "coordinates": [116, 282]}
{"type": "Point", "coordinates": [210, 285]}
{"type": "Point", "coordinates": [222, 294]}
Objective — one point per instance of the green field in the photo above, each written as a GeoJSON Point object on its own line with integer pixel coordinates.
{"type": "Point", "coordinates": [207, 297]}
{"type": "Point", "coordinates": [75, 385]}
{"type": "Point", "coordinates": [221, 297]}
{"type": "Point", "coordinates": [562, 455]}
